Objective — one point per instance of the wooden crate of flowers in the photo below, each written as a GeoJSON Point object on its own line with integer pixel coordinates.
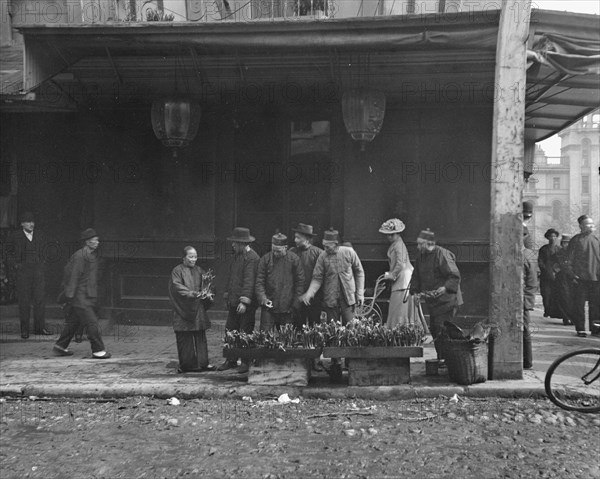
{"type": "Point", "coordinates": [375, 355]}
{"type": "Point", "coordinates": [281, 357]}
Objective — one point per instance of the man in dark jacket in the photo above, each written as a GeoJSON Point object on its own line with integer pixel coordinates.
{"type": "Point", "coordinates": [437, 279]}
{"type": "Point", "coordinates": [308, 254]}
{"type": "Point", "coordinates": [239, 292]}
{"type": "Point", "coordinates": [279, 284]}
{"type": "Point", "coordinates": [27, 258]}
{"type": "Point", "coordinates": [564, 284]}
{"type": "Point", "coordinates": [530, 285]}
{"type": "Point", "coordinates": [81, 293]}
{"type": "Point", "coordinates": [584, 269]}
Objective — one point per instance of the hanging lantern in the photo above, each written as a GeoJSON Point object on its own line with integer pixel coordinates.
{"type": "Point", "coordinates": [363, 112]}
{"type": "Point", "coordinates": [175, 121]}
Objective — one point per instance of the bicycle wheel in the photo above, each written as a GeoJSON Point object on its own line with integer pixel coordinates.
{"type": "Point", "coordinates": [573, 381]}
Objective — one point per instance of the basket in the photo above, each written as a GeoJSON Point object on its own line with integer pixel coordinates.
{"type": "Point", "coordinates": [467, 361]}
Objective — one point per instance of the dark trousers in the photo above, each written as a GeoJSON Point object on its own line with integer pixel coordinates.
{"type": "Point", "coordinates": [436, 324]}
{"type": "Point", "coordinates": [81, 316]}
{"type": "Point", "coordinates": [564, 293]}
{"type": "Point", "coordinates": [310, 315]}
{"type": "Point", "coordinates": [527, 352]}
{"type": "Point", "coordinates": [548, 290]}
{"type": "Point", "coordinates": [270, 320]}
{"type": "Point", "coordinates": [586, 291]}
{"type": "Point", "coordinates": [192, 350]}
{"type": "Point", "coordinates": [31, 289]}
{"type": "Point", "coordinates": [343, 311]}
{"type": "Point", "coordinates": [241, 322]}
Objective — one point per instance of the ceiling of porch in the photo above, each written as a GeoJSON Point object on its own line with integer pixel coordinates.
{"type": "Point", "coordinates": [413, 60]}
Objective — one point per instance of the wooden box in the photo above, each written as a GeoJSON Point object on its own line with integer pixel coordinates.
{"type": "Point", "coordinates": [376, 366]}
{"type": "Point", "coordinates": [280, 372]}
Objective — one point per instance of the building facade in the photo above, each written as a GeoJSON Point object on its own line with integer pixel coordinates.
{"type": "Point", "coordinates": [566, 187]}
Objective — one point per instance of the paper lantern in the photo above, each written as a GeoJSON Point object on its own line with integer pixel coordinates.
{"type": "Point", "coordinates": [175, 121]}
{"type": "Point", "coordinates": [363, 111]}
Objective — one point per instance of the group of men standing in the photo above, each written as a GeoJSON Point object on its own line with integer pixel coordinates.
{"type": "Point", "coordinates": [291, 286]}
{"type": "Point", "coordinates": [570, 277]}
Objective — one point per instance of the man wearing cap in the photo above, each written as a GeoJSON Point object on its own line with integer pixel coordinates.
{"type": "Point", "coordinates": [527, 215]}
{"type": "Point", "coordinates": [308, 254]}
{"type": "Point", "coordinates": [279, 284]}
{"type": "Point", "coordinates": [564, 284]}
{"type": "Point", "coordinates": [28, 260]}
{"type": "Point", "coordinates": [437, 279]}
{"type": "Point", "coordinates": [584, 269]}
{"type": "Point", "coordinates": [239, 291]}
{"type": "Point", "coordinates": [546, 260]}
{"type": "Point", "coordinates": [81, 292]}
{"type": "Point", "coordinates": [340, 273]}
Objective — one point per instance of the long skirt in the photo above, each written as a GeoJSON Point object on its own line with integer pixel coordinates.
{"type": "Point", "coordinates": [192, 350]}
{"type": "Point", "coordinates": [399, 312]}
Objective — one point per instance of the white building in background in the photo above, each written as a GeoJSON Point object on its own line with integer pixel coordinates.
{"type": "Point", "coordinates": [563, 188]}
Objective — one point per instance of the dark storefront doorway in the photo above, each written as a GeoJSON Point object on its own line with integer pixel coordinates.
{"type": "Point", "coordinates": [283, 177]}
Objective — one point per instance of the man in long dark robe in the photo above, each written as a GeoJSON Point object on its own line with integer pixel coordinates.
{"type": "Point", "coordinates": [546, 261]}
{"type": "Point", "coordinates": [563, 283]}
{"type": "Point", "coordinates": [584, 269]}
{"type": "Point", "coordinates": [190, 320]}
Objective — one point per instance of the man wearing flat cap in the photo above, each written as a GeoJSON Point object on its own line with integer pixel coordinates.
{"type": "Point", "coordinates": [308, 254]}
{"type": "Point", "coordinates": [437, 279]}
{"type": "Point", "coordinates": [340, 273]}
{"type": "Point", "coordinates": [81, 293]}
{"type": "Point", "coordinates": [584, 269]}
{"type": "Point", "coordinates": [546, 260]}
{"type": "Point", "coordinates": [27, 257]}
{"type": "Point", "coordinates": [279, 284]}
{"type": "Point", "coordinates": [239, 290]}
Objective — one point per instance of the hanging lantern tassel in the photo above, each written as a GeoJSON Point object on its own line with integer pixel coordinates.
{"type": "Point", "coordinates": [175, 121]}
{"type": "Point", "coordinates": [363, 111]}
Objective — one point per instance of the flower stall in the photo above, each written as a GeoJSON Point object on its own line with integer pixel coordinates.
{"type": "Point", "coordinates": [375, 354]}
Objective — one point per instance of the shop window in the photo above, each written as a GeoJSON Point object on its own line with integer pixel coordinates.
{"type": "Point", "coordinates": [585, 185]}
{"type": "Point", "coordinates": [556, 183]}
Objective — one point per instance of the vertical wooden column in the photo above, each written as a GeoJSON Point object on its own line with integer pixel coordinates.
{"type": "Point", "coordinates": [506, 292]}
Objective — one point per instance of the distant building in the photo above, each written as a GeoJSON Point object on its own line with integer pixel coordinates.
{"type": "Point", "coordinates": [565, 187]}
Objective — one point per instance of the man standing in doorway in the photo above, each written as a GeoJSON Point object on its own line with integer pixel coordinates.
{"type": "Point", "coordinates": [28, 260]}
{"type": "Point", "coordinates": [437, 278]}
{"type": "Point", "coordinates": [308, 254]}
{"type": "Point", "coordinates": [584, 269]}
{"type": "Point", "coordinates": [339, 271]}
{"type": "Point", "coordinates": [81, 292]}
{"type": "Point", "coordinates": [239, 292]}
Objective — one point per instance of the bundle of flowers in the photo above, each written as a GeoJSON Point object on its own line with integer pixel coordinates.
{"type": "Point", "coordinates": [287, 337]}
{"type": "Point", "coordinates": [357, 333]}
{"type": "Point", "coordinates": [369, 332]}
{"type": "Point", "coordinates": [207, 291]}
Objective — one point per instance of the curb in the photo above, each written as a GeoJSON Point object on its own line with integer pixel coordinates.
{"type": "Point", "coordinates": [378, 393]}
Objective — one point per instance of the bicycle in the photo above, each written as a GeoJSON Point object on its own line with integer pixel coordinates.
{"type": "Point", "coordinates": [573, 380]}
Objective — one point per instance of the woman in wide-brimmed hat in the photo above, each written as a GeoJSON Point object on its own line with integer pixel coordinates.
{"type": "Point", "coordinates": [399, 274]}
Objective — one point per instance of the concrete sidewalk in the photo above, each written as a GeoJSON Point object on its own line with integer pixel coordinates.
{"type": "Point", "coordinates": [144, 362]}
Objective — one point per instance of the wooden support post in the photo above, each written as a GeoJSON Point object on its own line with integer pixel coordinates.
{"type": "Point", "coordinates": [506, 236]}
